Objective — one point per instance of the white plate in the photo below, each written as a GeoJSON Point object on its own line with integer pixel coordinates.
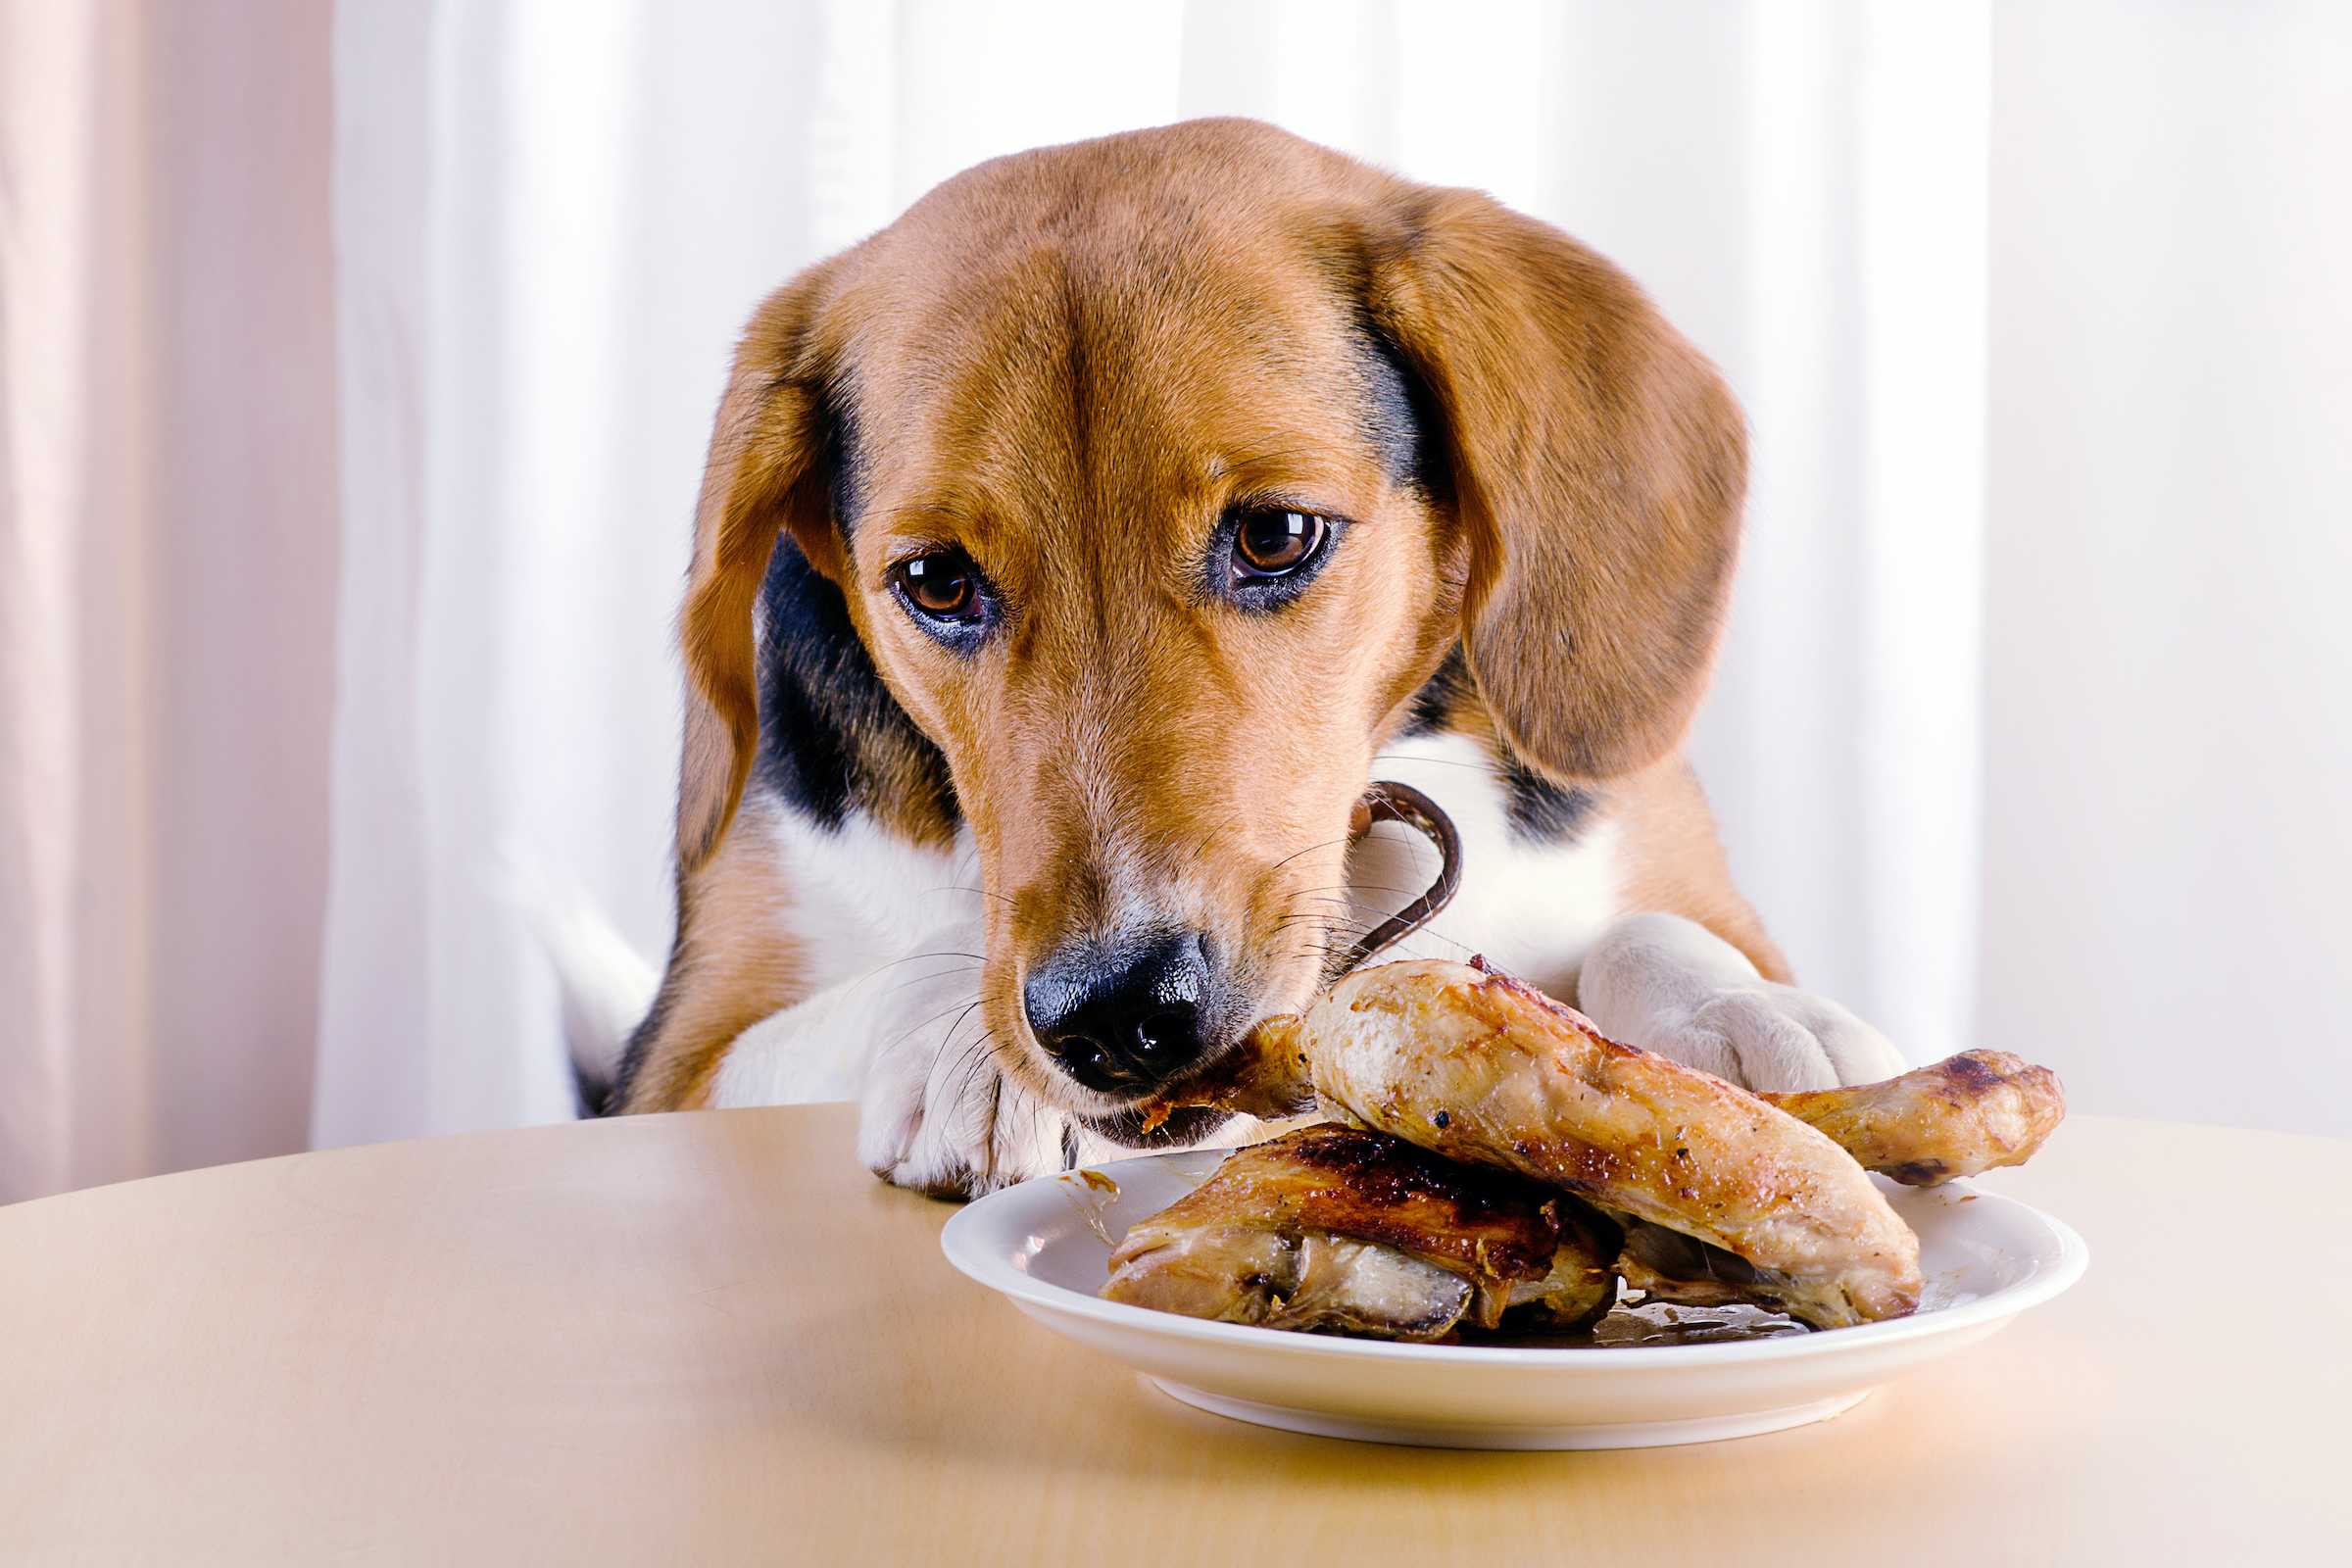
{"type": "Point", "coordinates": [1046, 1244]}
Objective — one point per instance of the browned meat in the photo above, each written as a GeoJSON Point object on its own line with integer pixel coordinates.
{"type": "Point", "coordinates": [1965, 1113]}
{"type": "Point", "coordinates": [1337, 1229]}
{"type": "Point", "coordinates": [1670, 1266]}
{"type": "Point", "coordinates": [1480, 1068]}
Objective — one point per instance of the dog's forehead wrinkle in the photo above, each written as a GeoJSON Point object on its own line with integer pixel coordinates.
{"type": "Point", "coordinates": [1140, 511]}
{"type": "Point", "coordinates": [919, 516]}
{"type": "Point", "coordinates": [1053, 328]}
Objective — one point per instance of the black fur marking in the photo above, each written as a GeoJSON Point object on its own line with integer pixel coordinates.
{"type": "Point", "coordinates": [1395, 417]}
{"type": "Point", "coordinates": [1540, 811]}
{"type": "Point", "coordinates": [640, 1045]}
{"type": "Point", "coordinates": [592, 1095]}
{"type": "Point", "coordinates": [1449, 692]}
{"type": "Point", "coordinates": [846, 454]}
{"type": "Point", "coordinates": [827, 724]}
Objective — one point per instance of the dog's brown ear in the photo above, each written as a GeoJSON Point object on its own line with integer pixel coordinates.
{"type": "Point", "coordinates": [1597, 463]}
{"type": "Point", "coordinates": [769, 470]}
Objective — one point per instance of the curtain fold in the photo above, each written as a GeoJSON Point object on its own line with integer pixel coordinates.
{"type": "Point", "coordinates": [2169, 658]}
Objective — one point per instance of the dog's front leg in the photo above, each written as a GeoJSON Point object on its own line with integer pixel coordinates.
{"type": "Point", "coordinates": [933, 1112]}
{"type": "Point", "coordinates": [1672, 986]}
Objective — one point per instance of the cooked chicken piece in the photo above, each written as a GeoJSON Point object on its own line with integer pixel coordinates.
{"type": "Point", "coordinates": [1965, 1113]}
{"type": "Point", "coordinates": [1333, 1228]}
{"type": "Point", "coordinates": [1478, 1067]}
{"type": "Point", "coordinates": [1245, 1272]}
{"type": "Point", "coordinates": [1670, 1266]}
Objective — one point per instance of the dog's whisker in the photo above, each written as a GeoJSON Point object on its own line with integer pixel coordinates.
{"type": "Point", "coordinates": [881, 969]}
{"type": "Point", "coordinates": [1310, 849]}
{"type": "Point", "coordinates": [952, 887]}
{"type": "Point", "coordinates": [963, 1070]}
{"type": "Point", "coordinates": [1357, 905]}
{"type": "Point", "coordinates": [966, 1011]}
{"type": "Point", "coordinates": [1393, 761]}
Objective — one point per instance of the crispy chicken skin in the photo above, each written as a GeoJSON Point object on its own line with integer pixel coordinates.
{"type": "Point", "coordinates": [1333, 1228]}
{"type": "Point", "coordinates": [1479, 1068]}
{"type": "Point", "coordinates": [1967, 1113]}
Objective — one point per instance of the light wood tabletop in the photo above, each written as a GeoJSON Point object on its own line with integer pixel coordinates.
{"type": "Point", "coordinates": [712, 1339]}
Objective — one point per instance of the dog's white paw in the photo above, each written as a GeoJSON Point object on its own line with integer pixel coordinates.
{"type": "Point", "coordinates": [1669, 985]}
{"type": "Point", "coordinates": [953, 1126]}
{"type": "Point", "coordinates": [1778, 1039]}
{"type": "Point", "coordinates": [934, 1112]}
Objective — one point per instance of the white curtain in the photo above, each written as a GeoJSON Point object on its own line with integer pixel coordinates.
{"type": "Point", "coordinates": [2169, 648]}
{"type": "Point", "coordinates": [553, 214]}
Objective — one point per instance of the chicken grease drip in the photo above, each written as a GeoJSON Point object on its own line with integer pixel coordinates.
{"type": "Point", "coordinates": [1088, 1191]}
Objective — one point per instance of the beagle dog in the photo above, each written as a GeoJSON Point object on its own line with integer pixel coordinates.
{"type": "Point", "coordinates": [1072, 555]}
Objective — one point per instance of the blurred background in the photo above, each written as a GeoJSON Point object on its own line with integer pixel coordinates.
{"type": "Point", "coordinates": [357, 363]}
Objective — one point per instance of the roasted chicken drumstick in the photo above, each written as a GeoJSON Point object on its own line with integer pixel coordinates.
{"type": "Point", "coordinates": [1965, 1114]}
{"type": "Point", "coordinates": [1714, 1195]}
{"type": "Point", "coordinates": [1479, 1068]}
{"type": "Point", "coordinates": [1334, 1228]}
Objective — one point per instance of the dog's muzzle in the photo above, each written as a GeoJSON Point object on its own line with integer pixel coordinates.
{"type": "Point", "coordinates": [1131, 1017]}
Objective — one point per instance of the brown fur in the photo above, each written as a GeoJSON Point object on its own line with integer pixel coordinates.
{"type": "Point", "coordinates": [727, 972]}
{"type": "Point", "coordinates": [1673, 862]}
{"type": "Point", "coordinates": [1069, 363]}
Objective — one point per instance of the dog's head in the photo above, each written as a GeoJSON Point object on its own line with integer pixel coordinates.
{"type": "Point", "coordinates": [1157, 474]}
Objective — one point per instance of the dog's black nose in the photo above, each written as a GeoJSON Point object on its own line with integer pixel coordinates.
{"type": "Point", "coordinates": [1123, 1019]}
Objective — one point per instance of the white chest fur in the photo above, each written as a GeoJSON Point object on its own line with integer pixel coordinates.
{"type": "Point", "coordinates": [862, 896]}
{"type": "Point", "coordinates": [885, 932]}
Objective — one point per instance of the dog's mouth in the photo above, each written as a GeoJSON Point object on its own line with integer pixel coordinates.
{"type": "Point", "coordinates": [1157, 1124]}
{"type": "Point", "coordinates": [1190, 1108]}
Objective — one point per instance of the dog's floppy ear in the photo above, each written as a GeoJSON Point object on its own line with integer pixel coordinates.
{"type": "Point", "coordinates": [769, 470]}
{"type": "Point", "coordinates": [1597, 463]}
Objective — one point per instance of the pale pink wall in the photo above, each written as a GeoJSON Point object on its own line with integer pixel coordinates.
{"type": "Point", "coordinates": [244, 556]}
{"type": "Point", "coordinates": [169, 527]}
{"type": "Point", "coordinates": [73, 534]}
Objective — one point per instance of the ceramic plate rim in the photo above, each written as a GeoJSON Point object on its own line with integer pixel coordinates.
{"type": "Point", "coordinates": [962, 1236]}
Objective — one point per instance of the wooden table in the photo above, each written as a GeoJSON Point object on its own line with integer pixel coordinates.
{"type": "Point", "coordinates": [712, 1339]}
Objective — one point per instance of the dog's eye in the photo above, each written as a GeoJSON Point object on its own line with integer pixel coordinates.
{"type": "Point", "coordinates": [1276, 542]}
{"type": "Point", "coordinates": [944, 585]}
